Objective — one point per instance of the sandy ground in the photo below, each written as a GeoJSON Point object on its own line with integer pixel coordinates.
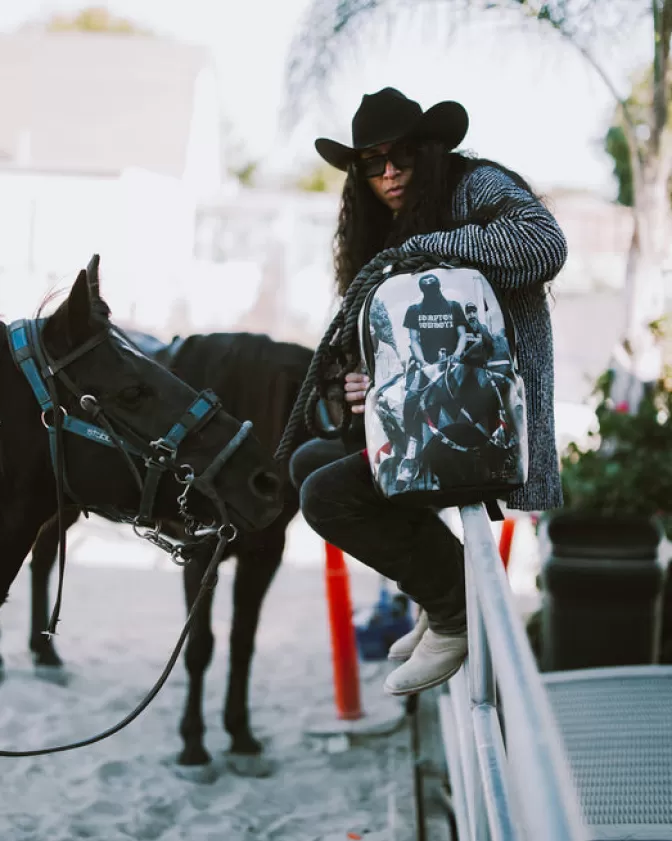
{"type": "Point", "coordinates": [123, 609]}
{"type": "Point", "coordinates": [119, 625]}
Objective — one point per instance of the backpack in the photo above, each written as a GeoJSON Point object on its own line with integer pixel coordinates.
{"type": "Point", "coordinates": [445, 415]}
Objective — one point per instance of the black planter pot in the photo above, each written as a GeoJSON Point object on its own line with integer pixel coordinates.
{"type": "Point", "coordinates": [602, 588]}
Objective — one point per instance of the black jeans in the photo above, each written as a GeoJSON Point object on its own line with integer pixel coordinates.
{"type": "Point", "coordinates": [410, 546]}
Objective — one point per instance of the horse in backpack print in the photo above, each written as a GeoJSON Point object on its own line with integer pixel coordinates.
{"type": "Point", "coordinates": [445, 414]}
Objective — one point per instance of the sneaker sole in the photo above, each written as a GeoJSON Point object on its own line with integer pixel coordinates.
{"type": "Point", "coordinates": [421, 687]}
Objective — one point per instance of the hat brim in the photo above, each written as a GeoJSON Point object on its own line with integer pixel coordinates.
{"type": "Point", "coordinates": [446, 121]}
{"type": "Point", "coordinates": [336, 154]}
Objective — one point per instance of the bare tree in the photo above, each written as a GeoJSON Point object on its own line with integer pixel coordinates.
{"type": "Point", "coordinates": [588, 25]}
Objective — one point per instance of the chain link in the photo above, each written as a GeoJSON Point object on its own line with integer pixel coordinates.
{"type": "Point", "coordinates": [190, 522]}
{"type": "Point", "coordinates": [192, 527]}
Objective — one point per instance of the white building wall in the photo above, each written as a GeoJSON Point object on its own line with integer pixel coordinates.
{"type": "Point", "coordinates": [142, 225]}
{"type": "Point", "coordinates": [50, 225]}
{"type": "Point", "coordinates": [203, 167]}
{"type": "Point", "coordinates": [167, 264]}
{"type": "Point", "coordinates": [249, 244]}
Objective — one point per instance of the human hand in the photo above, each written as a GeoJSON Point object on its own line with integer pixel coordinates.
{"type": "Point", "coordinates": [356, 386]}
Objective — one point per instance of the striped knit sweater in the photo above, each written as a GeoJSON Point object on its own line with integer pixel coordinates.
{"type": "Point", "coordinates": [518, 251]}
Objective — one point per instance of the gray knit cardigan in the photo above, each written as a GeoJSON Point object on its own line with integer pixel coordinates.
{"type": "Point", "coordinates": [519, 251]}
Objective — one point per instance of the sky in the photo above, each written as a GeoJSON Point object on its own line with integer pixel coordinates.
{"type": "Point", "coordinates": [535, 106]}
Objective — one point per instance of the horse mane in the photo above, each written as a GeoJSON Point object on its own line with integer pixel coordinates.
{"type": "Point", "coordinates": [48, 298]}
{"type": "Point", "coordinates": [257, 378]}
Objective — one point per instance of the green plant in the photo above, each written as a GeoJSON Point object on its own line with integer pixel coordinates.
{"type": "Point", "coordinates": [627, 465]}
{"type": "Point", "coordinates": [321, 179]}
{"type": "Point", "coordinates": [94, 19]}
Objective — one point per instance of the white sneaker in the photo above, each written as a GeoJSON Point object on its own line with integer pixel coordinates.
{"type": "Point", "coordinates": [402, 648]}
{"type": "Point", "coordinates": [435, 659]}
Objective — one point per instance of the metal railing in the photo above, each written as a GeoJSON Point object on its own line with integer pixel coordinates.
{"type": "Point", "coordinates": [522, 791]}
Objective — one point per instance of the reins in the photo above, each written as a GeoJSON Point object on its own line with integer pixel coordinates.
{"type": "Point", "coordinates": [159, 456]}
{"type": "Point", "coordinates": [208, 582]}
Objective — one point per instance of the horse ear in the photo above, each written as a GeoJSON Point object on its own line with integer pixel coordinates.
{"type": "Point", "coordinates": [92, 276]}
{"type": "Point", "coordinates": [78, 308]}
{"type": "Point", "coordinates": [72, 323]}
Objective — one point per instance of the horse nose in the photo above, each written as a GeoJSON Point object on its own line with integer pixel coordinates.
{"type": "Point", "coordinates": [265, 484]}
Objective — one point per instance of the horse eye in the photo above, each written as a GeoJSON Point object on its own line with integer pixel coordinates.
{"type": "Point", "coordinates": [133, 394]}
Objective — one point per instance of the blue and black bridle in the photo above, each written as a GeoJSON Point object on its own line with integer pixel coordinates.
{"type": "Point", "coordinates": [159, 456]}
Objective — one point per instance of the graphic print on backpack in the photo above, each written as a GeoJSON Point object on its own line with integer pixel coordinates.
{"type": "Point", "coordinates": [445, 416]}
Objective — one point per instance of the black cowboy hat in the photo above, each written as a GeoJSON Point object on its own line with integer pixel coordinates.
{"type": "Point", "coordinates": [387, 116]}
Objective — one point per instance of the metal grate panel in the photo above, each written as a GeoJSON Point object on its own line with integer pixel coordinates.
{"type": "Point", "coordinates": [617, 727]}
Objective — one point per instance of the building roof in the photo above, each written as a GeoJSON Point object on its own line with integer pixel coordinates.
{"type": "Point", "coordinates": [96, 103]}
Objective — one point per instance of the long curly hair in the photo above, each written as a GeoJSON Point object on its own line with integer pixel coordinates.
{"type": "Point", "coordinates": [366, 226]}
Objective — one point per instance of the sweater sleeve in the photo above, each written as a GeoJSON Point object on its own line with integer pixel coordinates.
{"type": "Point", "coordinates": [516, 241]}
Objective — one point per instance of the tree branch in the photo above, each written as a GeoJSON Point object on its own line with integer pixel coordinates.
{"type": "Point", "coordinates": [660, 52]}
{"type": "Point", "coordinates": [314, 53]}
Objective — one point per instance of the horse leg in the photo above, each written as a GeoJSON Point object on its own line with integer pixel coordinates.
{"type": "Point", "coordinates": [43, 559]}
{"type": "Point", "coordinates": [197, 658]}
{"type": "Point", "coordinates": [13, 551]}
{"type": "Point", "coordinates": [254, 573]}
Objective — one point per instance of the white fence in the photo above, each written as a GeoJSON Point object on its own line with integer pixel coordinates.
{"type": "Point", "coordinates": [522, 791]}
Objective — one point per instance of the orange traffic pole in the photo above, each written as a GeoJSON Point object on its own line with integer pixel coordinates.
{"type": "Point", "coordinates": [343, 641]}
{"type": "Point", "coordinates": [506, 539]}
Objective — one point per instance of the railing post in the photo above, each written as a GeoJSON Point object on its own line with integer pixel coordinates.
{"type": "Point", "coordinates": [481, 672]}
{"type": "Point", "coordinates": [535, 752]}
{"type": "Point", "coordinates": [483, 699]}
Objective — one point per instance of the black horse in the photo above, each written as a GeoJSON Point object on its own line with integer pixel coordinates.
{"type": "Point", "coordinates": [255, 378]}
{"type": "Point", "coordinates": [64, 377]}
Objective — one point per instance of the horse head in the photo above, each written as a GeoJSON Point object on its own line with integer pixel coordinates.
{"type": "Point", "coordinates": [98, 376]}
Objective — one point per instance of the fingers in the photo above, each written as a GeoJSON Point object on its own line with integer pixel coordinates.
{"type": "Point", "coordinates": [356, 377]}
{"type": "Point", "coordinates": [355, 396]}
{"type": "Point", "coordinates": [356, 386]}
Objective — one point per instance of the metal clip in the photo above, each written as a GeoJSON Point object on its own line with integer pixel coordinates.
{"type": "Point", "coordinates": [163, 448]}
{"type": "Point", "coordinates": [154, 536]}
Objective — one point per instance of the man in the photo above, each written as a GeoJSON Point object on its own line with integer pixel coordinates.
{"type": "Point", "coordinates": [437, 331]}
{"type": "Point", "coordinates": [480, 344]}
{"type": "Point", "coordinates": [435, 323]}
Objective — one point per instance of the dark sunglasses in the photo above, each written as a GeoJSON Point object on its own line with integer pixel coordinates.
{"type": "Point", "coordinates": [401, 156]}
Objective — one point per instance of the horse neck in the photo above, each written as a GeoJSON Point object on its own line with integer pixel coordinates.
{"type": "Point", "coordinates": [255, 377]}
{"type": "Point", "coordinates": [24, 445]}
{"type": "Point", "coordinates": [27, 487]}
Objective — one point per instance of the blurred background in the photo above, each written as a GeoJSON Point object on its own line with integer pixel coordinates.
{"type": "Point", "coordinates": [176, 140]}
